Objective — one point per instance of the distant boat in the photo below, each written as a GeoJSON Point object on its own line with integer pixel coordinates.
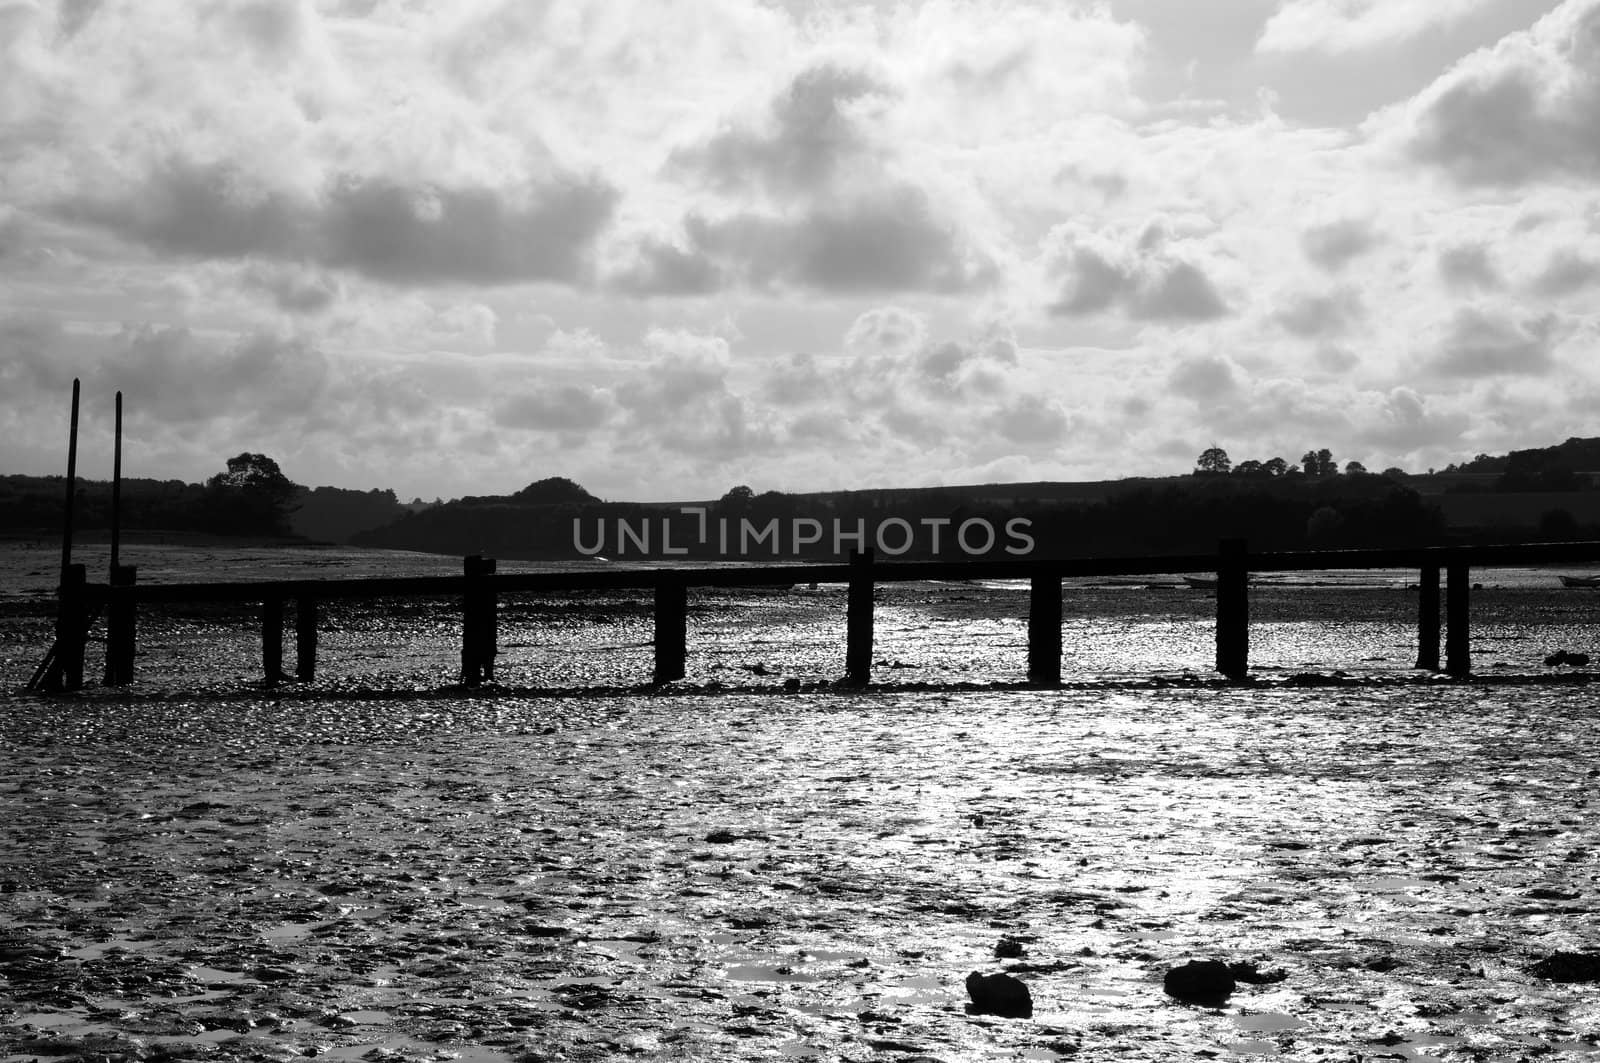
{"type": "Point", "coordinates": [1580, 581]}
{"type": "Point", "coordinates": [1201, 583]}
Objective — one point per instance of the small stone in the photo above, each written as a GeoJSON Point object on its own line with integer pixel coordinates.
{"type": "Point", "coordinates": [1008, 948]}
{"type": "Point", "coordinates": [998, 994]}
{"type": "Point", "coordinates": [1200, 982]}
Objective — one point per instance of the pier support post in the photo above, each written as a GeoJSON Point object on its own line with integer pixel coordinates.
{"type": "Point", "coordinates": [479, 641]}
{"type": "Point", "coordinates": [305, 638]}
{"type": "Point", "coordinates": [1457, 633]}
{"type": "Point", "coordinates": [1428, 617]}
{"type": "Point", "coordinates": [1044, 630]}
{"type": "Point", "coordinates": [1233, 609]}
{"type": "Point", "coordinates": [72, 627]}
{"type": "Point", "coordinates": [672, 630]}
{"type": "Point", "coordinates": [858, 619]}
{"type": "Point", "coordinates": [272, 640]}
{"type": "Point", "coordinates": [121, 626]}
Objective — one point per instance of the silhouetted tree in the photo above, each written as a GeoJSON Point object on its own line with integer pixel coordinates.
{"type": "Point", "coordinates": [1275, 467]}
{"type": "Point", "coordinates": [252, 497]}
{"type": "Point", "coordinates": [1354, 468]}
{"type": "Point", "coordinates": [1213, 460]}
{"type": "Point", "coordinates": [1249, 468]}
{"type": "Point", "coordinates": [1319, 463]}
{"type": "Point", "coordinates": [1395, 472]}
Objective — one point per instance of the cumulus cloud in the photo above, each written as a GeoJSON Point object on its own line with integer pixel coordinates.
{"type": "Point", "coordinates": [811, 134]}
{"type": "Point", "coordinates": [1150, 281]}
{"type": "Point", "coordinates": [293, 290]}
{"type": "Point", "coordinates": [1317, 316]}
{"type": "Point", "coordinates": [395, 232]}
{"type": "Point", "coordinates": [1334, 245]}
{"type": "Point", "coordinates": [1030, 420]}
{"type": "Point", "coordinates": [1469, 268]}
{"type": "Point", "coordinates": [1204, 377]}
{"type": "Point", "coordinates": [1353, 25]}
{"type": "Point", "coordinates": [888, 241]}
{"type": "Point", "coordinates": [1402, 421]}
{"type": "Point", "coordinates": [566, 408]}
{"type": "Point", "coordinates": [1525, 110]}
{"type": "Point", "coordinates": [1567, 272]}
{"type": "Point", "coordinates": [1482, 343]}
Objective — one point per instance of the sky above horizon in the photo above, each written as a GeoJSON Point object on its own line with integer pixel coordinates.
{"type": "Point", "coordinates": [667, 248]}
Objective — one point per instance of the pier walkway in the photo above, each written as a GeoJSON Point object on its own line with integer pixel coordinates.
{"type": "Point", "coordinates": [480, 588]}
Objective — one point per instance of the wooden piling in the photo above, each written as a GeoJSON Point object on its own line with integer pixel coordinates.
{"type": "Point", "coordinates": [305, 638]}
{"type": "Point", "coordinates": [1044, 630]}
{"type": "Point", "coordinates": [672, 630]}
{"type": "Point", "coordinates": [858, 619]}
{"type": "Point", "coordinates": [272, 640]}
{"type": "Point", "coordinates": [121, 626]}
{"type": "Point", "coordinates": [72, 629]}
{"type": "Point", "coordinates": [478, 618]}
{"type": "Point", "coordinates": [1457, 632]}
{"type": "Point", "coordinates": [1233, 609]}
{"type": "Point", "coordinates": [1428, 618]}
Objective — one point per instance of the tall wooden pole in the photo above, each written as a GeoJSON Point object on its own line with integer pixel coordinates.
{"type": "Point", "coordinates": [116, 492]}
{"type": "Point", "coordinates": [72, 480]}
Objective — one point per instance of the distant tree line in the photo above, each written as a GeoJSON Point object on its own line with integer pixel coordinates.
{"type": "Point", "coordinates": [251, 496]}
{"type": "Point", "coordinates": [1214, 461]}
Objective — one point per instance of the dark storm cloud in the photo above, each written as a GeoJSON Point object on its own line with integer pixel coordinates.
{"type": "Point", "coordinates": [1522, 113]}
{"type": "Point", "coordinates": [1332, 246]}
{"type": "Point", "coordinates": [378, 227]}
{"type": "Point", "coordinates": [1483, 344]}
{"type": "Point", "coordinates": [889, 242]}
{"type": "Point", "coordinates": [810, 136]}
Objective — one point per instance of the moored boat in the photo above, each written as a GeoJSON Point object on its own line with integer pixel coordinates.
{"type": "Point", "coordinates": [1580, 581]}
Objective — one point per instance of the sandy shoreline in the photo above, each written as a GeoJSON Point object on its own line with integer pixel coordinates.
{"type": "Point", "coordinates": [812, 877]}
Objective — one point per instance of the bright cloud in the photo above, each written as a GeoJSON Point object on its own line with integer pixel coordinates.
{"type": "Point", "coordinates": [1351, 25]}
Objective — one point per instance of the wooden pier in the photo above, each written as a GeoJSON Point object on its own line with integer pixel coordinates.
{"type": "Point", "coordinates": [480, 588]}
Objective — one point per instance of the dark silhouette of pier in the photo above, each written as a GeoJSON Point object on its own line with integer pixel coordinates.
{"type": "Point", "coordinates": [480, 588]}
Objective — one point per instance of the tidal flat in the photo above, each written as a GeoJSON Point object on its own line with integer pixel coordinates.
{"type": "Point", "coordinates": [382, 866]}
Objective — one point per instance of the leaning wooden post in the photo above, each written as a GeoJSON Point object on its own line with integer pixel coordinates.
{"type": "Point", "coordinates": [1457, 633]}
{"type": "Point", "coordinates": [858, 619]}
{"type": "Point", "coordinates": [121, 626]}
{"type": "Point", "coordinates": [672, 630]}
{"type": "Point", "coordinates": [1233, 609]}
{"type": "Point", "coordinates": [305, 638]}
{"type": "Point", "coordinates": [1044, 630]}
{"type": "Point", "coordinates": [72, 626]}
{"type": "Point", "coordinates": [478, 609]}
{"type": "Point", "coordinates": [1428, 617]}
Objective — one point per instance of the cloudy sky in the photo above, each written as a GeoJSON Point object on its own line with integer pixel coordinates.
{"type": "Point", "coordinates": [663, 248]}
